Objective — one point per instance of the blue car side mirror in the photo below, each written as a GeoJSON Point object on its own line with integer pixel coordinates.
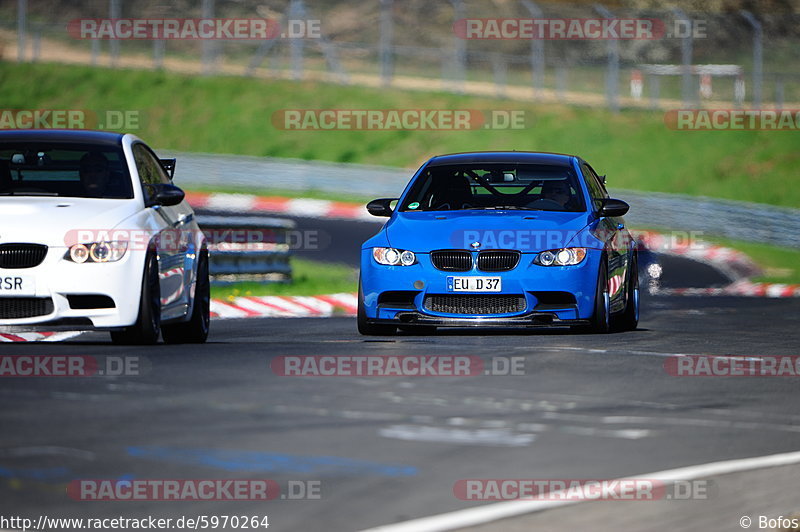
{"type": "Point", "coordinates": [613, 208]}
{"type": "Point", "coordinates": [381, 207]}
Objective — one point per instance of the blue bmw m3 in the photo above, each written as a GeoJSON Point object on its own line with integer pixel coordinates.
{"type": "Point", "coordinates": [500, 239]}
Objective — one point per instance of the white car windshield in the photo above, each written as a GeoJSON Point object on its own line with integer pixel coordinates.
{"type": "Point", "coordinates": [490, 186]}
{"type": "Point", "coordinates": [63, 169]}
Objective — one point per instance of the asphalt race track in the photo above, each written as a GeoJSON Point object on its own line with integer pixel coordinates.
{"type": "Point", "coordinates": [389, 449]}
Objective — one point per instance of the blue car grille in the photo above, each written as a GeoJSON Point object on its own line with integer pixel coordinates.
{"type": "Point", "coordinates": [498, 260]}
{"type": "Point", "coordinates": [14, 256]}
{"type": "Point", "coordinates": [454, 260]}
{"type": "Point", "coordinates": [475, 304]}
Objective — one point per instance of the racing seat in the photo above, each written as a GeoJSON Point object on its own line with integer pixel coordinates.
{"type": "Point", "coordinates": [454, 194]}
{"type": "Point", "coordinates": [6, 181]}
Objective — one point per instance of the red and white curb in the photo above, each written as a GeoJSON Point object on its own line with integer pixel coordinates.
{"type": "Point", "coordinates": [734, 263]}
{"type": "Point", "coordinates": [323, 306]}
{"type": "Point", "coordinates": [285, 306]}
{"type": "Point", "coordinates": [303, 207]}
{"type": "Point", "coordinates": [738, 288]}
{"type": "Point", "coordinates": [38, 336]}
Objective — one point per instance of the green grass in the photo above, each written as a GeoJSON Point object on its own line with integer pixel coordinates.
{"type": "Point", "coordinates": [233, 115]}
{"type": "Point", "coordinates": [285, 193]}
{"type": "Point", "coordinates": [308, 278]}
{"type": "Point", "coordinates": [780, 265]}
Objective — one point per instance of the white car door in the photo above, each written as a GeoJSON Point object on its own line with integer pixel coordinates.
{"type": "Point", "coordinates": [174, 240]}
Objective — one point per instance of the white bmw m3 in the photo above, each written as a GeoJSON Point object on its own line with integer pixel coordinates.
{"type": "Point", "coordinates": [93, 234]}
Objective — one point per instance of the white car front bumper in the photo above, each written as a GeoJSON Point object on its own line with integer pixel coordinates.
{"type": "Point", "coordinates": [67, 284]}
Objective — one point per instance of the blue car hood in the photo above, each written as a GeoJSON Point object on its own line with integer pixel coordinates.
{"type": "Point", "coordinates": [528, 231]}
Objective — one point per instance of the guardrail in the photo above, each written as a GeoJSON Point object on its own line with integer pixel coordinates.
{"type": "Point", "coordinates": [739, 220]}
{"type": "Point", "coordinates": [248, 248]}
{"type": "Point", "coordinates": [751, 222]}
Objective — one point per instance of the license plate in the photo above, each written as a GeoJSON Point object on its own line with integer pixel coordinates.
{"type": "Point", "coordinates": [17, 285]}
{"type": "Point", "coordinates": [474, 284]}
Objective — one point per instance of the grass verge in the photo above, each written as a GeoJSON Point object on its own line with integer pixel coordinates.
{"type": "Point", "coordinates": [309, 278]}
{"type": "Point", "coordinates": [283, 193]}
{"type": "Point", "coordinates": [219, 114]}
{"type": "Point", "coordinates": [780, 265]}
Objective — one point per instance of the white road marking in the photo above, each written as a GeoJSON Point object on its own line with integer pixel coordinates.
{"type": "Point", "coordinates": [503, 510]}
{"type": "Point", "coordinates": [485, 437]}
{"type": "Point", "coordinates": [47, 450]}
{"type": "Point", "coordinates": [659, 353]}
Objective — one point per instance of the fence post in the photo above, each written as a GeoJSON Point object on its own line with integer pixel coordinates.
{"type": "Point", "coordinates": [114, 12]}
{"type": "Point", "coordinates": [653, 82]}
{"type": "Point", "coordinates": [561, 81]}
{"type": "Point", "coordinates": [386, 42]}
{"type": "Point", "coordinates": [22, 12]}
{"type": "Point", "coordinates": [500, 73]}
{"type": "Point", "coordinates": [263, 49]}
{"type": "Point", "coordinates": [758, 56]}
{"type": "Point", "coordinates": [297, 44]}
{"type": "Point", "coordinates": [537, 52]}
{"type": "Point", "coordinates": [207, 45]}
{"type": "Point", "coordinates": [612, 73]}
{"type": "Point", "coordinates": [460, 70]}
{"type": "Point", "coordinates": [686, 60]}
{"type": "Point", "coordinates": [37, 44]}
{"type": "Point", "coordinates": [158, 53]}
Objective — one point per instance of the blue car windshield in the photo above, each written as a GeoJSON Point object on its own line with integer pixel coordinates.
{"type": "Point", "coordinates": [495, 186]}
{"type": "Point", "coordinates": [63, 169]}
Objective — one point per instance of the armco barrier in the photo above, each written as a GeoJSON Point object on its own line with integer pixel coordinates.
{"type": "Point", "coordinates": [243, 248]}
{"type": "Point", "coordinates": [739, 220]}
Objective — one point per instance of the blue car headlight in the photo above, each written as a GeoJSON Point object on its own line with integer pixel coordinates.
{"type": "Point", "coordinates": [561, 257]}
{"type": "Point", "coordinates": [393, 257]}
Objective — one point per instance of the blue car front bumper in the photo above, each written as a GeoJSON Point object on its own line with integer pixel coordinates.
{"type": "Point", "coordinates": [531, 295]}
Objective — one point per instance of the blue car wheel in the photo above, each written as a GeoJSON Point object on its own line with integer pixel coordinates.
{"type": "Point", "coordinates": [600, 322]}
{"type": "Point", "coordinates": [628, 319]}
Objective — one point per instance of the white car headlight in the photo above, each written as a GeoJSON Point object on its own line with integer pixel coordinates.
{"type": "Point", "coordinates": [393, 257]}
{"type": "Point", "coordinates": [561, 257]}
{"type": "Point", "coordinates": [97, 252]}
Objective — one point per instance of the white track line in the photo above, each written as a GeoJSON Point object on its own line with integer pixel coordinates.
{"type": "Point", "coordinates": [503, 510]}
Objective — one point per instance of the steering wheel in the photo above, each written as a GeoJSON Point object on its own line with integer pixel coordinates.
{"type": "Point", "coordinates": [546, 205]}
{"type": "Point", "coordinates": [452, 207]}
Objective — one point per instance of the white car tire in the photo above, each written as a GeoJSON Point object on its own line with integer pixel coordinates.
{"type": "Point", "coordinates": [147, 328]}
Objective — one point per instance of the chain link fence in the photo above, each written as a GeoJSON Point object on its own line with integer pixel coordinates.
{"type": "Point", "coordinates": [727, 57]}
